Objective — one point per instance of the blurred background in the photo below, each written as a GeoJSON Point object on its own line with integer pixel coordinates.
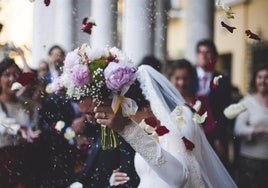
{"type": "Point", "coordinates": [167, 29]}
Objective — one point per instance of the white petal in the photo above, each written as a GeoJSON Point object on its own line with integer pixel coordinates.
{"type": "Point", "coordinates": [216, 79]}
{"type": "Point", "coordinates": [69, 134]}
{"type": "Point", "coordinates": [76, 185]}
{"type": "Point", "coordinates": [197, 105]}
{"type": "Point", "coordinates": [234, 110]}
{"type": "Point", "coordinates": [16, 86]}
{"type": "Point", "coordinates": [59, 125]}
{"type": "Point", "coordinates": [199, 119]}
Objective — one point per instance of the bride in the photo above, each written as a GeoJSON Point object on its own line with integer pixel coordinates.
{"type": "Point", "coordinates": [180, 158]}
{"type": "Point", "coordinates": [149, 113]}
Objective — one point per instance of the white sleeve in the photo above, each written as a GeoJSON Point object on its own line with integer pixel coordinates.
{"type": "Point", "coordinates": [8, 125]}
{"type": "Point", "coordinates": [172, 170]}
{"type": "Point", "coordinates": [242, 128]}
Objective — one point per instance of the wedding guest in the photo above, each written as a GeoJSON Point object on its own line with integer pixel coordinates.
{"type": "Point", "coordinates": [218, 98]}
{"type": "Point", "coordinates": [17, 123]}
{"type": "Point", "coordinates": [182, 75]}
{"type": "Point", "coordinates": [55, 61]}
{"type": "Point", "coordinates": [252, 127]}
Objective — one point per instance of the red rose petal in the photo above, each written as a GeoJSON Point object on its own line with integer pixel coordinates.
{"type": "Point", "coordinates": [188, 144]}
{"type": "Point", "coordinates": [161, 130]}
{"type": "Point", "coordinates": [252, 35]}
{"type": "Point", "coordinates": [47, 2]}
{"type": "Point", "coordinates": [87, 26]}
{"type": "Point", "coordinates": [152, 121]}
{"type": "Point", "coordinates": [229, 28]}
{"type": "Point", "coordinates": [27, 78]}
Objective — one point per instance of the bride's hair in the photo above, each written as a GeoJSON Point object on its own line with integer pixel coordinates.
{"type": "Point", "coordinates": [134, 92]}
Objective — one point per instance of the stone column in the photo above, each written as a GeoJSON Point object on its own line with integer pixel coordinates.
{"type": "Point", "coordinates": [64, 24]}
{"type": "Point", "coordinates": [138, 24]}
{"type": "Point", "coordinates": [43, 31]}
{"type": "Point", "coordinates": [160, 38]}
{"type": "Point", "coordinates": [104, 12]}
{"type": "Point", "coordinates": [82, 9]}
{"type": "Point", "coordinates": [199, 24]}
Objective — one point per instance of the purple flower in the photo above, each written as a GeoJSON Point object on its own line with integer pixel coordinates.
{"type": "Point", "coordinates": [81, 75]}
{"type": "Point", "coordinates": [118, 75]}
{"type": "Point", "coordinates": [71, 60]}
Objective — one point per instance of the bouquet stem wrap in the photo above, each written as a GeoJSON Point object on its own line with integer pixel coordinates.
{"type": "Point", "coordinates": [109, 138]}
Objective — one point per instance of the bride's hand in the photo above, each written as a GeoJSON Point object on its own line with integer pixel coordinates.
{"type": "Point", "coordinates": [105, 116]}
{"type": "Point", "coordinates": [118, 178]}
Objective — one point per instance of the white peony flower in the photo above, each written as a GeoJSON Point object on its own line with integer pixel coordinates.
{"type": "Point", "coordinates": [96, 53]}
{"type": "Point", "coordinates": [122, 57]}
{"type": "Point", "coordinates": [234, 110]}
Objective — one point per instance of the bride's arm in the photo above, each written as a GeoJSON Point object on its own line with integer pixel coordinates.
{"type": "Point", "coordinates": [172, 170]}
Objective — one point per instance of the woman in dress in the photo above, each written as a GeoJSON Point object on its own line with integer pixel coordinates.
{"type": "Point", "coordinates": [179, 154]}
{"type": "Point", "coordinates": [18, 117]}
{"type": "Point", "coordinates": [252, 126]}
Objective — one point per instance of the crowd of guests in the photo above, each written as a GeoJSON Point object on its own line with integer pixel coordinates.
{"type": "Point", "coordinates": [34, 154]}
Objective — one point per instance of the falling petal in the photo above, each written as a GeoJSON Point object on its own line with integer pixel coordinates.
{"type": "Point", "coordinates": [199, 119]}
{"type": "Point", "coordinates": [252, 35]}
{"type": "Point", "coordinates": [69, 134]}
{"type": "Point", "coordinates": [188, 144]}
{"type": "Point", "coordinates": [16, 86]}
{"type": "Point", "coordinates": [234, 110]}
{"type": "Point", "coordinates": [59, 125]}
{"type": "Point", "coordinates": [229, 28]}
{"type": "Point", "coordinates": [227, 10]}
{"type": "Point", "coordinates": [47, 2]}
{"type": "Point", "coordinates": [197, 105]}
{"type": "Point", "coordinates": [27, 78]}
{"type": "Point", "coordinates": [87, 25]}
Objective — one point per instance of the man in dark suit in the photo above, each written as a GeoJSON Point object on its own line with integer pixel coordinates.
{"type": "Point", "coordinates": [218, 98]}
{"type": "Point", "coordinates": [99, 165]}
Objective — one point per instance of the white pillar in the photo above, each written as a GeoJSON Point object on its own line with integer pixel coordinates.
{"type": "Point", "coordinates": [43, 31]}
{"type": "Point", "coordinates": [137, 34]}
{"type": "Point", "coordinates": [104, 12]}
{"type": "Point", "coordinates": [199, 24]}
{"type": "Point", "coordinates": [64, 24]}
{"type": "Point", "coordinates": [160, 38]}
{"type": "Point", "coordinates": [82, 9]}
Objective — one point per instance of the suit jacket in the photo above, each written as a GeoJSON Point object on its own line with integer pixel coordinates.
{"type": "Point", "coordinates": [218, 99]}
{"type": "Point", "coordinates": [105, 161]}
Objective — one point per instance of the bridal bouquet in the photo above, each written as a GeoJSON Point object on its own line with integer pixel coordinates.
{"type": "Point", "coordinates": [98, 73]}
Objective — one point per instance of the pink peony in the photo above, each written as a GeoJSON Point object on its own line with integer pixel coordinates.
{"type": "Point", "coordinates": [118, 75]}
{"type": "Point", "coordinates": [71, 60]}
{"type": "Point", "coordinates": [81, 75]}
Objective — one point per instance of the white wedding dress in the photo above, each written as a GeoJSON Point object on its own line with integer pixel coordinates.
{"type": "Point", "coordinates": [168, 164]}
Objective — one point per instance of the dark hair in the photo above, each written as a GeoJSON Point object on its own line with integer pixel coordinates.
{"type": "Point", "coordinates": [6, 63]}
{"type": "Point", "coordinates": [257, 69]}
{"type": "Point", "coordinates": [209, 43]}
{"type": "Point", "coordinates": [185, 64]}
{"type": "Point", "coordinates": [181, 64]}
{"type": "Point", "coordinates": [151, 61]}
{"type": "Point", "coordinates": [134, 92]}
{"type": "Point", "coordinates": [56, 47]}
